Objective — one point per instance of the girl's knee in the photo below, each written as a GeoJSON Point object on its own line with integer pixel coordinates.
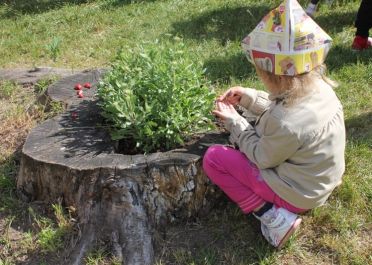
{"type": "Point", "coordinates": [213, 159]}
{"type": "Point", "coordinates": [212, 153]}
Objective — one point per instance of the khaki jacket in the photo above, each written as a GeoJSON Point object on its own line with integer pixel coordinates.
{"type": "Point", "coordinates": [299, 149]}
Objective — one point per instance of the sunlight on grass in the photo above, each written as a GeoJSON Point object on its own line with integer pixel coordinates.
{"type": "Point", "coordinates": [100, 257]}
{"type": "Point", "coordinates": [50, 237]}
{"type": "Point", "coordinates": [7, 89]}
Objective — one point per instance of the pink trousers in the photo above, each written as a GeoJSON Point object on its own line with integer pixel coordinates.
{"type": "Point", "coordinates": [240, 179]}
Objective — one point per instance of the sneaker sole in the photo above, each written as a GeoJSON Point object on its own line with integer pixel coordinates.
{"type": "Point", "coordinates": [290, 232]}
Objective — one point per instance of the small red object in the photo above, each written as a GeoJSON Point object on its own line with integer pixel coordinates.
{"type": "Point", "coordinates": [74, 115]}
{"type": "Point", "coordinates": [78, 87]}
{"type": "Point", "coordinates": [80, 94]}
{"type": "Point", "coordinates": [87, 85]}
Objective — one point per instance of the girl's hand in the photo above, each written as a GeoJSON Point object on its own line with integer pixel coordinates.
{"type": "Point", "coordinates": [232, 95]}
{"type": "Point", "coordinates": [226, 111]}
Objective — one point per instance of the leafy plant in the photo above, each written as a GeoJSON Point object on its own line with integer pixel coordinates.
{"type": "Point", "coordinates": [7, 89]}
{"type": "Point", "coordinates": [100, 256]}
{"type": "Point", "coordinates": [50, 237]}
{"type": "Point", "coordinates": [156, 96]}
{"type": "Point", "coordinates": [42, 85]}
{"type": "Point", "coordinates": [54, 48]}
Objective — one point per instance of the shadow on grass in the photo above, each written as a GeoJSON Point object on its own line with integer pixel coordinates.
{"type": "Point", "coordinates": [334, 22]}
{"type": "Point", "coordinates": [234, 23]}
{"type": "Point", "coordinates": [222, 69]}
{"type": "Point", "coordinates": [360, 127]}
{"type": "Point", "coordinates": [222, 24]}
{"type": "Point", "coordinates": [340, 56]}
{"type": "Point", "coordinates": [118, 3]}
{"type": "Point", "coordinates": [19, 7]}
{"type": "Point", "coordinates": [225, 236]}
{"type": "Point", "coordinates": [236, 66]}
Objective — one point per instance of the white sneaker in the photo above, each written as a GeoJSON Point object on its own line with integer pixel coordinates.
{"type": "Point", "coordinates": [311, 9]}
{"type": "Point", "coordinates": [278, 225]}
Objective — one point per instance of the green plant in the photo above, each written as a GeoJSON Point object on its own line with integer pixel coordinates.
{"type": "Point", "coordinates": [5, 262]}
{"type": "Point", "coordinates": [50, 238]}
{"type": "Point", "coordinates": [96, 257]}
{"type": "Point", "coordinates": [55, 108]}
{"type": "Point", "coordinates": [100, 256]}
{"type": "Point", "coordinates": [54, 48]}
{"type": "Point", "coordinates": [7, 170]}
{"type": "Point", "coordinates": [42, 85]}
{"type": "Point", "coordinates": [156, 96]}
{"type": "Point", "coordinates": [7, 89]}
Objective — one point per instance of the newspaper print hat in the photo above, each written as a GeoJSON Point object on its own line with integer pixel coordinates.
{"type": "Point", "coordinates": [287, 41]}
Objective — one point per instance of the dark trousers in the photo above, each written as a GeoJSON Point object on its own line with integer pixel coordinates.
{"type": "Point", "coordinates": [314, 2]}
{"type": "Point", "coordinates": [363, 21]}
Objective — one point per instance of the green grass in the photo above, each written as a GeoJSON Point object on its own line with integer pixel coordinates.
{"type": "Point", "coordinates": [100, 256]}
{"type": "Point", "coordinates": [7, 90]}
{"type": "Point", "coordinates": [87, 34]}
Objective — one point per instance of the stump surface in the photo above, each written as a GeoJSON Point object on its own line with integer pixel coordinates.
{"type": "Point", "coordinates": [123, 198]}
{"type": "Point", "coordinates": [24, 76]}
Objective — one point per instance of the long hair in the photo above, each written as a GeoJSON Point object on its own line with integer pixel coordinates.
{"type": "Point", "coordinates": [291, 89]}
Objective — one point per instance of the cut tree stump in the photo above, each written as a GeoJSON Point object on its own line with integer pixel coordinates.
{"type": "Point", "coordinates": [24, 76]}
{"type": "Point", "coordinates": [126, 199]}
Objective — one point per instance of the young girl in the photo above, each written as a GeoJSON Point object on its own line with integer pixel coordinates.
{"type": "Point", "coordinates": [291, 159]}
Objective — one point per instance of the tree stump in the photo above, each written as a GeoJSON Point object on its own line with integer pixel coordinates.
{"type": "Point", "coordinates": [126, 199]}
{"type": "Point", "coordinates": [24, 76]}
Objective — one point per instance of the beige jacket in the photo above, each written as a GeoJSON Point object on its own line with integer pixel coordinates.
{"type": "Point", "coordinates": [299, 149]}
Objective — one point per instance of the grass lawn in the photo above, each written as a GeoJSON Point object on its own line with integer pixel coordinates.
{"type": "Point", "coordinates": [83, 34]}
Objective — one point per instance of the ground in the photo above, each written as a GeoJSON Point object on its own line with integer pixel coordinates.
{"type": "Point", "coordinates": [86, 34]}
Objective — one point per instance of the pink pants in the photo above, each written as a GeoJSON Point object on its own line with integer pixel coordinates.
{"type": "Point", "coordinates": [240, 179]}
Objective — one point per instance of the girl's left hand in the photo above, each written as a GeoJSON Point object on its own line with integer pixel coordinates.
{"type": "Point", "coordinates": [226, 111]}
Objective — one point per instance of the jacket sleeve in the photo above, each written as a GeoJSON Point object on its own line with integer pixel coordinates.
{"type": "Point", "coordinates": [273, 147]}
{"type": "Point", "coordinates": [257, 104]}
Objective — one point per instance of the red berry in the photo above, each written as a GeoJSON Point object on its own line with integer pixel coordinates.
{"type": "Point", "coordinates": [87, 85]}
{"type": "Point", "coordinates": [78, 87]}
{"type": "Point", "coordinates": [80, 94]}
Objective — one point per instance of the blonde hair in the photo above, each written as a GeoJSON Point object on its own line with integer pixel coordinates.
{"type": "Point", "coordinates": [290, 89]}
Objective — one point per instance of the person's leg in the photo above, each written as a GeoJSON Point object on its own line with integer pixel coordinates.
{"type": "Point", "coordinates": [225, 166]}
{"type": "Point", "coordinates": [363, 21]}
{"type": "Point", "coordinates": [240, 180]}
{"type": "Point", "coordinates": [363, 24]}
{"type": "Point", "coordinates": [311, 7]}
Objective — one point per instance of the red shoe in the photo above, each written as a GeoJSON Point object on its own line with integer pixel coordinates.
{"type": "Point", "coordinates": [361, 43]}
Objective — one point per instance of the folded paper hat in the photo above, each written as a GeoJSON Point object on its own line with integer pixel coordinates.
{"type": "Point", "coordinates": [287, 41]}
